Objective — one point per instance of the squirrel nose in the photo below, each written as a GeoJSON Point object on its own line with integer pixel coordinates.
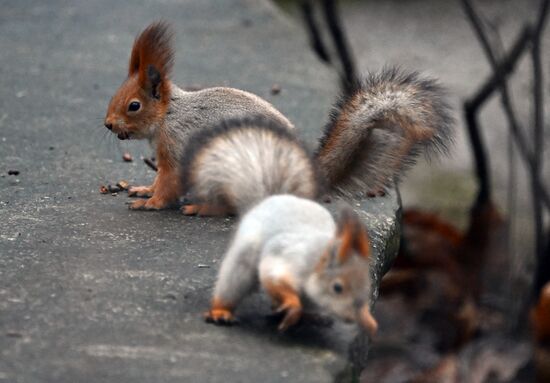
{"type": "Point", "coordinates": [109, 126]}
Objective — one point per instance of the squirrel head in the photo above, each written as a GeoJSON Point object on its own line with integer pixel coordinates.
{"type": "Point", "coordinates": [341, 282]}
{"type": "Point", "coordinates": [141, 102]}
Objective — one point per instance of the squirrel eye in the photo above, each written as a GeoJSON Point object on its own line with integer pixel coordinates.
{"type": "Point", "coordinates": [134, 106]}
{"type": "Point", "coordinates": [337, 287]}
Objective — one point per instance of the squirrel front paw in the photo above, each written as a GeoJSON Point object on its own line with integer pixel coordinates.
{"type": "Point", "coordinates": [140, 191]}
{"type": "Point", "coordinates": [220, 316]}
{"type": "Point", "coordinates": [148, 204]}
{"type": "Point", "coordinates": [293, 313]}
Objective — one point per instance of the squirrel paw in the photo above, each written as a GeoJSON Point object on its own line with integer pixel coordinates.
{"type": "Point", "coordinates": [148, 204]}
{"type": "Point", "coordinates": [220, 317]}
{"type": "Point", "coordinates": [293, 313]}
{"type": "Point", "coordinates": [190, 209]}
{"type": "Point", "coordinates": [205, 210]}
{"type": "Point", "coordinates": [140, 191]}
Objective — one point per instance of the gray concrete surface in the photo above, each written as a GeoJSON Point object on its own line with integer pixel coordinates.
{"type": "Point", "coordinates": [93, 292]}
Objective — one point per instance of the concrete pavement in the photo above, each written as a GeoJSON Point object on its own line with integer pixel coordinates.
{"type": "Point", "coordinates": [93, 292]}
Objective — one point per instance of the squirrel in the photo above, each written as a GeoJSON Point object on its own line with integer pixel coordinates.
{"type": "Point", "coordinates": [375, 133]}
{"type": "Point", "coordinates": [302, 259]}
{"type": "Point", "coordinates": [149, 106]}
{"type": "Point", "coordinates": [286, 241]}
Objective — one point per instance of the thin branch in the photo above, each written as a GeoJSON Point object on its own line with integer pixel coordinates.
{"type": "Point", "coordinates": [517, 132]}
{"type": "Point", "coordinates": [149, 162]}
{"type": "Point", "coordinates": [543, 17]}
{"type": "Point", "coordinates": [471, 108]}
{"type": "Point", "coordinates": [477, 25]}
{"type": "Point", "coordinates": [503, 69]}
{"type": "Point", "coordinates": [340, 41]}
{"type": "Point", "coordinates": [313, 29]}
{"type": "Point", "coordinates": [542, 273]}
{"type": "Point", "coordinates": [480, 156]}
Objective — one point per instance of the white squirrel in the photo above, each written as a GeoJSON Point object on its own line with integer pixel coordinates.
{"type": "Point", "coordinates": [293, 247]}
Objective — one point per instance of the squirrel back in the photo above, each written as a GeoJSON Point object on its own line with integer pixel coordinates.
{"type": "Point", "coordinates": [242, 161]}
{"type": "Point", "coordinates": [379, 127]}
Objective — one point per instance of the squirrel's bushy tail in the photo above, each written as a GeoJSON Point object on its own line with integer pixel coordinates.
{"type": "Point", "coordinates": [377, 130]}
{"type": "Point", "coordinates": [242, 161]}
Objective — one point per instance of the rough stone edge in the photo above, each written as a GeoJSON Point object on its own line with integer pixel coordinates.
{"type": "Point", "coordinates": [388, 233]}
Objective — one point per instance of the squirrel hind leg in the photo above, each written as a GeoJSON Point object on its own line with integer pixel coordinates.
{"type": "Point", "coordinates": [206, 210]}
{"type": "Point", "coordinates": [238, 276]}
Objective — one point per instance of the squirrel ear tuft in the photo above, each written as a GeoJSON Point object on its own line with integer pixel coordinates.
{"type": "Point", "coordinates": [362, 243]}
{"type": "Point", "coordinates": [352, 234]}
{"type": "Point", "coordinates": [153, 49]}
{"type": "Point", "coordinates": [346, 233]}
{"type": "Point", "coordinates": [153, 81]}
{"type": "Point", "coordinates": [346, 242]}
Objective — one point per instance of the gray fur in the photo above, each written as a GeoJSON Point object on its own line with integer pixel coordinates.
{"type": "Point", "coordinates": [193, 111]}
{"type": "Point", "coordinates": [290, 243]}
{"type": "Point", "coordinates": [262, 234]}
{"type": "Point", "coordinates": [241, 162]}
{"type": "Point", "coordinates": [388, 119]}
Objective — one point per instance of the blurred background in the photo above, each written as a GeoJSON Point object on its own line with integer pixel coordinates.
{"type": "Point", "coordinates": [498, 219]}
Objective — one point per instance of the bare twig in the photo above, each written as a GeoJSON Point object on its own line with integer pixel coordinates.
{"type": "Point", "coordinates": [498, 80]}
{"type": "Point", "coordinates": [503, 69]}
{"type": "Point", "coordinates": [313, 30]}
{"type": "Point", "coordinates": [151, 164]}
{"type": "Point", "coordinates": [472, 106]}
{"type": "Point", "coordinates": [340, 41]}
{"type": "Point", "coordinates": [480, 155]}
{"type": "Point", "coordinates": [542, 274]}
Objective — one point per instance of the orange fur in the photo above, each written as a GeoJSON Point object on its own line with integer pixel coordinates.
{"type": "Point", "coordinates": [219, 312]}
{"type": "Point", "coordinates": [353, 236]}
{"type": "Point", "coordinates": [152, 50]}
{"type": "Point", "coordinates": [286, 299]}
{"type": "Point", "coordinates": [347, 240]}
{"type": "Point", "coordinates": [206, 210]}
{"type": "Point", "coordinates": [167, 187]}
{"type": "Point", "coordinates": [363, 243]}
{"type": "Point", "coordinates": [153, 47]}
{"type": "Point", "coordinates": [340, 126]}
{"type": "Point", "coordinates": [540, 316]}
{"type": "Point", "coordinates": [431, 222]}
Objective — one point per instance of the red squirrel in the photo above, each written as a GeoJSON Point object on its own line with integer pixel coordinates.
{"type": "Point", "coordinates": [149, 106]}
